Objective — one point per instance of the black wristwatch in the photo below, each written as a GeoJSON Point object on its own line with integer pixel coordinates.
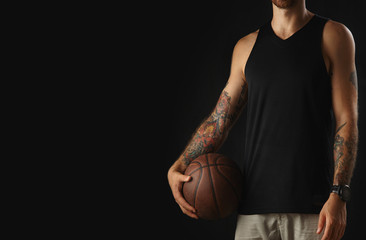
{"type": "Point", "coordinates": [344, 191]}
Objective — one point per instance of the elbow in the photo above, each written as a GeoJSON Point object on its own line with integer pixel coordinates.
{"type": "Point", "coordinates": [350, 118]}
{"type": "Point", "coordinates": [347, 123]}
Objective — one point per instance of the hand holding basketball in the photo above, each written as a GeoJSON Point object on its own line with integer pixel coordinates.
{"type": "Point", "coordinates": [176, 180]}
{"type": "Point", "coordinates": [215, 188]}
{"type": "Point", "coordinates": [210, 187]}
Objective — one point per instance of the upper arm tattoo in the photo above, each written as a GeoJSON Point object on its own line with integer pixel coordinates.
{"type": "Point", "coordinates": [243, 99]}
{"type": "Point", "coordinates": [353, 79]}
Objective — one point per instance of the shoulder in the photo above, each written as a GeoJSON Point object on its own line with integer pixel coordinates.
{"type": "Point", "coordinates": [247, 41]}
{"type": "Point", "coordinates": [244, 46]}
{"type": "Point", "coordinates": [242, 51]}
{"type": "Point", "coordinates": [336, 34]}
{"type": "Point", "coordinates": [336, 28]}
{"type": "Point", "coordinates": [338, 44]}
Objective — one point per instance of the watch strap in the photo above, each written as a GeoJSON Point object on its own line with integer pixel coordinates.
{"type": "Point", "coordinates": [339, 189]}
{"type": "Point", "coordinates": [336, 189]}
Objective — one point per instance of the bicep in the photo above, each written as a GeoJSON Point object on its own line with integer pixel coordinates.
{"type": "Point", "coordinates": [340, 48]}
{"type": "Point", "coordinates": [236, 86]}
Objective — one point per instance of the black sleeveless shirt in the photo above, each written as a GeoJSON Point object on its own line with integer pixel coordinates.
{"type": "Point", "coordinates": [288, 151]}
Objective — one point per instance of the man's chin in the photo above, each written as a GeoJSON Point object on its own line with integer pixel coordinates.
{"type": "Point", "coordinates": [284, 3]}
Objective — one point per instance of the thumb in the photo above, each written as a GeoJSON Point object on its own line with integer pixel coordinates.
{"type": "Point", "coordinates": [320, 223]}
{"type": "Point", "coordinates": [185, 178]}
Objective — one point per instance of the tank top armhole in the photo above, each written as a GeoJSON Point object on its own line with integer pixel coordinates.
{"type": "Point", "coordinates": [261, 32]}
{"type": "Point", "coordinates": [251, 51]}
{"type": "Point", "coordinates": [322, 26]}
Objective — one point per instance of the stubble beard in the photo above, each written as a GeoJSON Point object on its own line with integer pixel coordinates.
{"type": "Point", "coordinates": [284, 3]}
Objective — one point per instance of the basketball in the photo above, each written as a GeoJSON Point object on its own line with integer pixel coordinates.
{"type": "Point", "coordinates": [215, 188]}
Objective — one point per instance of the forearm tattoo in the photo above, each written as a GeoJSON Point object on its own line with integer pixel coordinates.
{"type": "Point", "coordinates": [213, 131]}
{"type": "Point", "coordinates": [345, 151]}
{"type": "Point", "coordinates": [209, 134]}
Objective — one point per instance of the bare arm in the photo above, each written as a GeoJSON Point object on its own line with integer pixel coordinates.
{"type": "Point", "coordinates": [213, 131]}
{"type": "Point", "coordinates": [339, 52]}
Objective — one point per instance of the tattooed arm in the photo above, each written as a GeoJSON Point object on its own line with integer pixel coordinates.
{"type": "Point", "coordinates": [339, 51]}
{"type": "Point", "coordinates": [341, 54]}
{"type": "Point", "coordinates": [213, 131]}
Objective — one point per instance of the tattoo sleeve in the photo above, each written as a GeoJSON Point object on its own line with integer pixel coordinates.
{"type": "Point", "coordinates": [213, 131]}
{"type": "Point", "coordinates": [345, 151]}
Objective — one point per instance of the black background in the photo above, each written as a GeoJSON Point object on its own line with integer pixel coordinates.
{"type": "Point", "coordinates": [186, 52]}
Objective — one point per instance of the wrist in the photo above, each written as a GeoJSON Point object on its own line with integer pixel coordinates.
{"type": "Point", "coordinates": [178, 166]}
{"type": "Point", "coordinates": [342, 191]}
{"type": "Point", "coordinates": [336, 197]}
{"type": "Point", "coordinates": [336, 200]}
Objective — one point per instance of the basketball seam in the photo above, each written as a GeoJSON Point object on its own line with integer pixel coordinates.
{"type": "Point", "coordinates": [210, 165]}
{"type": "Point", "coordinates": [198, 183]}
{"type": "Point", "coordinates": [227, 180]}
{"type": "Point", "coordinates": [213, 188]}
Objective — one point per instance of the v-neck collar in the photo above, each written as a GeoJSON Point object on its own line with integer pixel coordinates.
{"type": "Point", "coordinates": [293, 36]}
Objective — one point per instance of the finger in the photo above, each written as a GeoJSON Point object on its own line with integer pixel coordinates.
{"type": "Point", "coordinates": [343, 225]}
{"type": "Point", "coordinates": [340, 231]}
{"type": "Point", "coordinates": [182, 179]}
{"type": "Point", "coordinates": [328, 232]}
{"type": "Point", "coordinates": [182, 202]}
{"type": "Point", "coordinates": [188, 213]}
{"type": "Point", "coordinates": [321, 223]}
{"type": "Point", "coordinates": [336, 231]}
{"type": "Point", "coordinates": [177, 192]}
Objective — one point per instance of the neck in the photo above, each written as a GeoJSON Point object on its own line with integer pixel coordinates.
{"type": "Point", "coordinates": [285, 21]}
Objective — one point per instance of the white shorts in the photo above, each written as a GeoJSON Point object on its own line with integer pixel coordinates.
{"type": "Point", "coordinates": [285, 226]}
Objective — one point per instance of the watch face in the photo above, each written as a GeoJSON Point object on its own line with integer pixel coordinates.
{"type": "Point", "coordinates": [346, 193]}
